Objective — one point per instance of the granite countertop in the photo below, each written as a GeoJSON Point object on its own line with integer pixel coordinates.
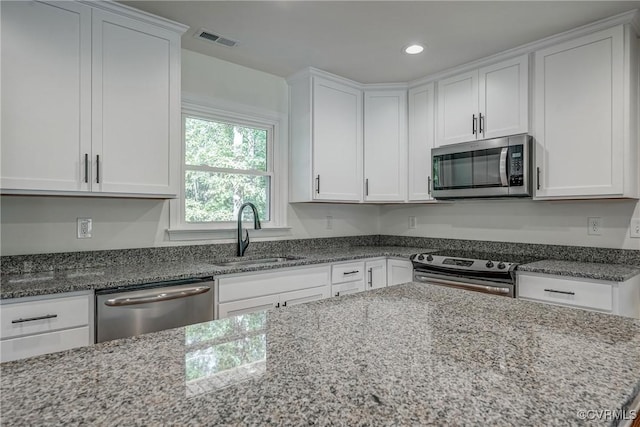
{"type": "Point", "coordinates": [411, 354]}
{"type": "Point", "coordinates": [52, 282]}
{"type": "Point", "coordinates": [588, 270]}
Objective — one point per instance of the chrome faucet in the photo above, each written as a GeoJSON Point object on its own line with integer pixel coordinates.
{"type": "Point", "coordinates": [242, 244]}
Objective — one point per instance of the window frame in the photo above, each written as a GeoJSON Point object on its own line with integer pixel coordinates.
{"type": "Point", "coordinates": [241, 115]}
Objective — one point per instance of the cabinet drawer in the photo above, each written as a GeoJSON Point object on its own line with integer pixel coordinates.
{"type": "Point", "coordinates": [347, 288]}
{"type": "Point", "coordinates": [34, 345]}
{"type": "Point", "coordinates": [34, 317]}
{"type": "Point", "coordinates": [587, 294]}
{"type": "Point", "coordinates": [349, 272]}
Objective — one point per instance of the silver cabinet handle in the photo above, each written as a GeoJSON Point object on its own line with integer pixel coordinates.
{"type": "Point", "coordinates": [481, 124]}
{"type": "Point", "coordinates": [338, 294]}
{"type": "Point", "coordinates": [284, 304]}
{"type": "Point", "coordinates": [98, 169]}
{"type": "Point", "coordinates": [183, 293]}
{"type": "Point", "coordinates": [32, 319]}
{"type": "Point", "coordinates": [318, 184]}
{"type": "Point", "coordinates": [538, 177]}
{"type": "Point", "coordinates": [473, 124]}
{"type": "Point", "coordinates": [86, 168]}
{"type": "Point", "coordinates": [504, 180]}
{"type": "Point", "coordinates": [366, 187]}
{"type": "Point", "coordinates": [429, 185]}
{"type": "Point", "coordinates": [560, 292]}
{"type": "Point", "coordinates": [351, 272]}
{"type": "Point", "coordinates": [371, 278]}
{"type": "Point", "coordinates": [277, 305]}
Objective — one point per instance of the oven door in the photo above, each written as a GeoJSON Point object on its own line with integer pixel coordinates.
{"type": "Point", "coordinates": [472, 284]}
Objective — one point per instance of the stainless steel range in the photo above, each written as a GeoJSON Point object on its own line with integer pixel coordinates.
{"type": "Point", "coordinates": [475, 271]}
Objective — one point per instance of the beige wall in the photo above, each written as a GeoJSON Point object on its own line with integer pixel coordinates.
{"type": "Point", "coordinates": [558, 223]}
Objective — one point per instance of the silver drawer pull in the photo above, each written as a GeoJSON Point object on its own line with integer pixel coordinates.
{"type": "Point", "coordinates": [560, 292]}
{"type": "Point", "coordinates": [183, 293]}
{"type": "Point", "coordinates": [351, 272]}
{"type": "Point", "coordinates": [31, 319]}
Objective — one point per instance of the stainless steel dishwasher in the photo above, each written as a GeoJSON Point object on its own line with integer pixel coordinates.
{"type": "Point", "coordinates": [153, 307]}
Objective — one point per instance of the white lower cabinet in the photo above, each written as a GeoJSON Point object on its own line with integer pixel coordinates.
{"type": "Point", "coordinates": [251, 292]}
{"type": "Point", "coordinates": [376, 273]}
{"type": "Point", "coordinates": [347, 278]}
{"type": "Point", "coordinates": [399, 271]}
{"type": "Point", "coordinates": [248, 293]}
{"type": "Point", "coordinates": [621, 298]}
{"type": "Point", "coordinates": [34, 326]}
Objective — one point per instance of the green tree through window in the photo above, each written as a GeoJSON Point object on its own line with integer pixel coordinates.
{"type": "Point", "coordinates": [226, 165]}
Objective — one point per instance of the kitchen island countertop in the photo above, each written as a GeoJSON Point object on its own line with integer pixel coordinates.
{"type": "Point", "coordinates": [411, 354]}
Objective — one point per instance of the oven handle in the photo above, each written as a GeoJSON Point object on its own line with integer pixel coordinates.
{"type": "Point", "coordinates": [157, 297]}
{"type": "Point", "coordinates": [451, 283]}
{"type": "Point", "coordinates": [504, 180]}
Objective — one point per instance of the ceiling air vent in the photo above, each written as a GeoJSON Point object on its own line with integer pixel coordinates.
{"type": "Point", "coordinates": [214, 38]}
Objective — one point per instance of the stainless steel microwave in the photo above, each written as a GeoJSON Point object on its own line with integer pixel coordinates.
{"type": "Point", "coordinates": [498, 167]}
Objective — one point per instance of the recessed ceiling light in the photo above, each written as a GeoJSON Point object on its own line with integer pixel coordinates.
{"type": "Point", "coordinates": [413, 49]}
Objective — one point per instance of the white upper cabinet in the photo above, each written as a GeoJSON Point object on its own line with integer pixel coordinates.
{"type": "Point", "coordinates": [458, 108]}
{"type": "Point", "coordinates": [421, 141]}
{"type": "Point", "coordinates": [133, 96]}
{"type": "Point", "coordinates": [503, 98]}
{"type": "Point", "coordinates": [486, 103]}
{"type": "Point", "coordinates": [385, 145]}
{"type": "Point", "coordinates": [325, 140]}
{"type": "Point", "coordinates": [90, 102]}
{"type": "Point", "coordinates": [46, 95]}
{"type": "Point", "coordinates": [586, 116]}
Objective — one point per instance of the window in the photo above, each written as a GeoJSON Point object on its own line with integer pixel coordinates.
{"type": "Point", "coordinates": [231, 154]}
{"type": "Point", "coordinates": [226, 165]}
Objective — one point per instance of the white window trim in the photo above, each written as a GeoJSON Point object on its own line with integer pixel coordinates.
{"type": "Point", "coordinates": [217, 109]}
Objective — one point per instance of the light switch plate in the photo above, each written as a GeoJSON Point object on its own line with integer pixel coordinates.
{"type": "Point", "coordinates": [412, 222]}
{"type": "Point", "coordinates": [634, 229]}
{"type": "Point", "coordinates": [85, 227]}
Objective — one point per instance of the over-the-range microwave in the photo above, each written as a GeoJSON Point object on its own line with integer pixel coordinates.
{"type": "Point", "coordinates": [499, 167]}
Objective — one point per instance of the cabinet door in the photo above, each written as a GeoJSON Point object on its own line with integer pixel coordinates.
{"type": "Point", "coordinates": [579, 118]}
{"type": "Point", "coordinates": [135, 89]}
{"type": "Point", "coordinates": [347, 288]}
{"type": "Point", "coordinates": [46, 95]}
{"type": "Point", "coordinates": [376, 274]}
{"type": "Point", "coordinates": [399, 271]}
{"type": "Point", "coordinates": [305, 295]}
{"type": "Point", "coordinates": [421, 141]}
{"type": "Point", "coordinates": [249, 305]}
{"type": "Point", "coordinates": [503, 93]}
{"type": "Point", "coordinates": [337, 141]}
{"type": "Point", "coordinates": [385, 145]}
{"type": "Point", "coordinates": [457, 109]}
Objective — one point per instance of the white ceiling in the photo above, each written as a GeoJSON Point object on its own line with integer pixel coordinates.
{"type": "Point", "coordinates": [362, 40]}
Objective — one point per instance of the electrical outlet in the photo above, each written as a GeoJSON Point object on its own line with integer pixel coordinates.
{"type": "Point", "coordinates": [412, 222]}
{"type": "Point", "coordinates": [594, 226]}
{"type": "Point", "coordinates": [85, 226]}
{"type": "Point", "coordinates": [634, 229]}
{"type": "Point", "coordinates": [329, 222]}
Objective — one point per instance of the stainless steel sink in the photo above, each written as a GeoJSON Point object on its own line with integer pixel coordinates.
{"type": "Point", "coordinates": [256, 261]}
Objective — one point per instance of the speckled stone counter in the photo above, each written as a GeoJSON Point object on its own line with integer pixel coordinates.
{"type": "Point", "coordinates": [588, 270]}
{"type": "Point", "coordinates": [52, 282]}
{"type": "Point", "coordinates": [412, 354]}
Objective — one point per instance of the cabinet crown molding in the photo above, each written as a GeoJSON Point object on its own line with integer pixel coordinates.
{"type": "Point", "coordinates": [631, 18]}
{"type": "Point", "coordinates": [130, 12]}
